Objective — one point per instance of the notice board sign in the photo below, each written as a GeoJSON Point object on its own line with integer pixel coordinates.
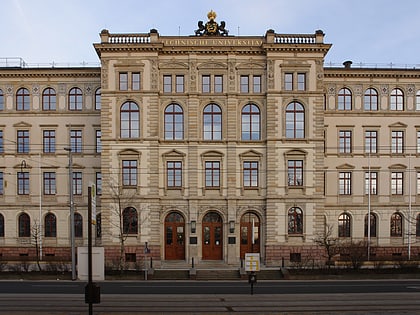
{"type": "Point", "coordinates": [252, 262]}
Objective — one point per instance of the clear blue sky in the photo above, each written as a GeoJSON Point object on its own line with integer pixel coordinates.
{"type": "Point", "coordinates": [367, 31]}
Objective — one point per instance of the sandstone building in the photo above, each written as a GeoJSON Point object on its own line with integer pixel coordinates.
{"type": "Point", "coordinates": [208, 146]}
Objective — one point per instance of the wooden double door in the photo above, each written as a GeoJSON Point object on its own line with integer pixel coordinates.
{"type": "Point", "coordinates": [174, 236]}
{"type": "Point", "coordinates": [212, 238]}
{"type": "Point", "coordinates": [250, 234]}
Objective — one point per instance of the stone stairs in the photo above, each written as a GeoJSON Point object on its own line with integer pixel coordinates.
{"type": "Point", "coordinates": [218, 274]}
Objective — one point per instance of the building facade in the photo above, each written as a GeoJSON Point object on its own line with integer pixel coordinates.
{"type": "Point", "coordinates": [210, 146]}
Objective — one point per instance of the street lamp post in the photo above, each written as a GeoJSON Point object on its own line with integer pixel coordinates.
{"type": "Point", "coordinates": [72, 232]}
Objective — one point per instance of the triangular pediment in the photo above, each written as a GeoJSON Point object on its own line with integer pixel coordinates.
{"type": "Point", "coordinates": [174, 153]}
{"type": "Point", "coordinates": [251, 153]}
{"type": "Point", "coordinates": [398, 125]}
{"type": "Point", "coordinates": [22, 124]}
{"type": "Point", "coordinates": [129, 152]}
{"type": "Point", "coordinates": [251, 65]}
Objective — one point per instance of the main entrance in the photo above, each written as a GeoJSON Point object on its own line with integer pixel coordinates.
{"type": "Point", "coordinates": [250, 234]}
{"type": "Point", "coordinates": [212, 237]}
{"type": "Point", "coordinates": [174, 236]}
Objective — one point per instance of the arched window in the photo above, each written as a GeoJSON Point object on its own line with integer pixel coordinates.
{"type": "Point", "coordinates": [295, 121]}
{"type": "Point", "coordinates": [50, 224]}
{"type": "Point", "coordinates": [295, 221]}
{"type": "Point", "coordinates": [130, 120]}
{"type": "Point", "coordinates": [22, 99]}
{"type": "Point", "coordinates": [344, 99]}
{"type": "Point", "coordinates": [24, 225]}
{"type": "Point", "coordinates": [344, 225]}
{"type": "Point", "coordinates": [98, 99]}
{"type": "Point", "coordinates": [418, 225]}
{"type": "Point", "coordinates": [372, 225]}
{"type": "Point", "coordinates": [396, 225]}
{"type": "Point", "coordinates": [174, 122]}
{"type": "Point", "coordinates": [212, 122]}
{"type": "Point", "coordinates": [371, 99]}
{"type": "Point", "coordinates": [130, 221]}
{"type": "Point", "coordinates": [396, 100]}
{"type": "Point", "coordinates": [49, 99]}
{"type": "Point", "coordinates": [78, 225]}
{"type": "Point", "coordinates": [75, 99]}
{"type": "Point", "coordinates": [250, 122]}
{"type": "Point", "coordinates": [1, 225]}
{"type": "Point", "coordinates": [1, 100]}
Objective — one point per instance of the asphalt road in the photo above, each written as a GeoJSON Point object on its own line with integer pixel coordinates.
{"type": "Point", "coordinates": [399, 297]}
{"type": "Point", "coordinates": [214, 287]}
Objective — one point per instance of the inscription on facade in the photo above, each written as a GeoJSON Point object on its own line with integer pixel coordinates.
{"type": "Point", "coordinates": [211, 42]}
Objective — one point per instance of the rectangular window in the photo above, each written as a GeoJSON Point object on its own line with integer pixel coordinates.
{"type": "Point", "coordinates": [212, 174]}
{"type": "Point", "coordinates": [345, 141]}
{"type": "Point", "coordinates": [135, 81]}
{"type": "Point", "coordinates": [344, 183]}
{"type": "Point", "coordinates": [371, 140]}
{"type": "Point", "coordinates": [129, 172]}
{"type": "Point", "coordinates": [98, 181]}
{"type": "Point", "coordinates": [301, 81]}
{"type": "Point", "coordinates": [244, 84]}
{"type": "Point", "coordinates": [77, 183]}
{"type": "Point", "coordinates": [418, 142]}
{"type": "Point", "coordinates": [174, 174]}
{"type": "Point", "coordinates": [98, 146]}
{"type": "Point", "coordinates": [49, 183]}
{"type": "Point", "coordinates": [1, 184]}
{"type": "Point", "coordinates": [256, 82]}
{"type": "Point", "coordinates": [48, 138]}
{"type": "Point", "coordinates": [123, 81]}
{"type": "Point", "coordinates": [76, 141]}
{"type": "Point", "coordinates": [167, 84]}
{"type": "Point", "coordinates": [397, 142]}
{"type": "Point", "coordinates": [23, 183]}
{"type": "Point", "coordinates": [205, 84]}
{"type": "Point", "coordinates": [23, 141]}
{"type": "Point", "coordinates": [373, 184]}
{"type": "Point", "coordinates": [218, 84]}
{"type": "Point", "coordinates": [1, 142]}
{"type": "Point", "coordinates": [288, 81]}
{"type": "Point", "coordinates": [179, 81]}
{"type": "Point", "coordinates": [397, 183]}
{"type": "Point", "coordinates": [250, 174]}
{"type": "Point", "coordinates": [418, 183]}
{"type": "Point", "coordinates": [295, 173]}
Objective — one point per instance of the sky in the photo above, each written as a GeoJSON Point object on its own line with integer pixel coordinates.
{"type": "Point", "coordinates": [379, 32]}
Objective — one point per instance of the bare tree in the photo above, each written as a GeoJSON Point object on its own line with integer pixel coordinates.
{"type": "Point", "coordinates": [329, 242]}
{"type": "Point", "coordinates": [355, 251]}
{"type": "Point", "coordinates": [36, 234]}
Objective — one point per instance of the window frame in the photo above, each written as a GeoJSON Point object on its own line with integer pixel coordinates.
{"type": "Point", "coordinates": [130, 221]}
{"type": "Point", "coordinates": [49, 183]}
{"type": "Point", "coordinates": [397, 141]}
{"type": "Point", "coordinates": [295, 173]}
{"type": "Point", "coordinates": [295, 116]}
{"type": "Point", "coordinates": [48, 141]}
{"type": "Point", "coordinates": [76, 141]}
{"type": "Point", "coordinates": [396, 100]}
{"type": "Point", "coordinates": [344, 225]}
{"type": "Point", "coordinates": [75, 99]}
{"type": "Point", "coordinates": [24, 225]}
{"type": "Point", "coordinates": [129, 120]}
{"type": "Point", "coordinates": [174, 122]}
{"type": "Point", "coordinates": [129, 173]}
{"type": "Point", "coordinates": [344, 99]}
{"type": "Point", "coordinates": [244, 84]}
{"type": "Point", "coordinates": [98, 142]}
{"type": "Point", "coordinates": [174, 174]}
{"type": "Point", "coordinates": [295, 221]}
{"type": "Point", "coordinates": [23, 183]}
{"type": "Point", "coordinates": [250, 120]}
{"type": "Point", "coordinates": [212, 172]}
{"type": "Point", "coordinates": [49, 99]}
{"type": "Point", "coordinates": [397, 183]}
{"type": "Point", "coordinates": [23, 141]}
{"type": "Point", "coordinates": [345, 183]}
{"type": "Point", "coordinates": [370, 100]}
{"type": "Point", "coordinates": [371, 141]}
{"type": "Point", "coordinates": [212, 122]}
{"type": "Point", "coordinates": [396, 225]}
{"type": "Point", "coordinates": [23, 102]}
{"type": "Point", "coordinates": [250, 173]}
{"type": "Point", "coordinates": [50, 225]}
{"type": "Point", "coordinates": [373, 183]}
{"type": "Point", "coordinates": [345, 141]}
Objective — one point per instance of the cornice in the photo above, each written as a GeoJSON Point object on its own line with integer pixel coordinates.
{"type": "Point", "coordinates": [50, 73]}
{"type": "Point", "coordinates": [371, 73]}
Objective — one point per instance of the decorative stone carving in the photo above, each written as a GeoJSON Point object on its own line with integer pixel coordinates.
{"type": "Point", "coordinates": [35, 90]}
{"type": "Point", "coordinates": [331, 89]}
{"type": "Point", "coordinates": [384, 90]}
{"type": "Point", "coordinates": [211, 28]}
